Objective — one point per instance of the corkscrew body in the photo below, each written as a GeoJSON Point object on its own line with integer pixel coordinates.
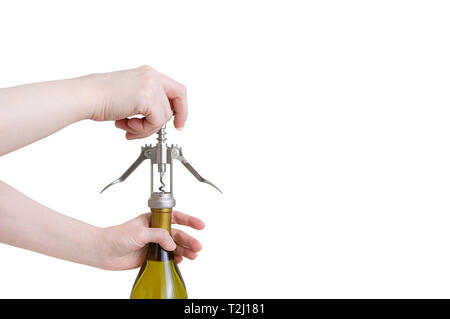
{"type": "Point", "coordinates": [161, 155]}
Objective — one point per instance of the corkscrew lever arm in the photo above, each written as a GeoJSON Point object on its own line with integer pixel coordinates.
{"type": "Point", "coordinates": [128, 172]}
{"type": "Point", "coordinates": [198, 176]}
{"type": "Point", "coordinates": [177, 154]}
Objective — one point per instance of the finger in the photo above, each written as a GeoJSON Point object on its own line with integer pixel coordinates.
{"type": "Point", "coordinates": [187, 220]}
{"type": "Point", "coordinates": [185, 240]}
{"type": "Point", "coordinates": [178, 259]}
{"type": "Point", "coordinates": [176, 92]}
{"type": "Point", "coordinates": [141, 220]}
{"type": "Point", "coordinates": [185, 252]}
{"type": "Point", "coordinates": [123, 124]}
{"type": "Point", "coordinates": [156, 235]}
{"type": "Point", "coordinates": [180, 109]}
{"type": "Point", "coordinates": [138, 125]}
{"type": "Point", "coordinates": [166, 108]}
{"type": "Point", "coordinates": [132, 136]}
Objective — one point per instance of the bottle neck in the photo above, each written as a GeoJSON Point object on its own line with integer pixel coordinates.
{"type": "Point", "coordinates": [160, 218]}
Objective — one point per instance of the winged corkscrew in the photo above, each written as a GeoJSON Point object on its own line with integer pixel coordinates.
{"type": "Point", "coordinates": [161, 155]}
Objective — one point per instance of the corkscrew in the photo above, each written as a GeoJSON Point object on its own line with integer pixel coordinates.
{"type": "Point", "coordinates": [161, 155]}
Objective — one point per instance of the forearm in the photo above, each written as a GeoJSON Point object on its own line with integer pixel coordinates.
{"type": "Point", "coordinates": [27, 224]}
{"type": "Point", "coordinates": [33, 111]}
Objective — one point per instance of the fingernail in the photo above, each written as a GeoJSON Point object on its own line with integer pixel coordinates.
{"type": "Point", "coordinates": [180, 128]}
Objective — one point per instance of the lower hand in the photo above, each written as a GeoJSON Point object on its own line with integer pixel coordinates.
{"type": "Point", "coordinates": [125, 245]}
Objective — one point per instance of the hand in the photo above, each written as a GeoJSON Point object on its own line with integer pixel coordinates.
{"type": "Point", "coordinates": [142, 91]}
{"type": "Point", "coordinates": [125, 245]}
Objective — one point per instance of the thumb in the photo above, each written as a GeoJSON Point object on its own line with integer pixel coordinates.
{"type": "Point", "coordinates": [159, 236]}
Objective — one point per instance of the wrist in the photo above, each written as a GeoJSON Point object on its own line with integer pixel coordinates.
{"type": "Point", "coordinates": [87, 91]}
{"type": "Point", "coordinates": [103, 242]}
{"type": "Point", "coordinates": [98, 255]}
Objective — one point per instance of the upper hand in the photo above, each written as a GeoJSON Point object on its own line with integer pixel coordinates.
{"type": "Point", "coordinates": [142, 91]}
{"type": "Point", "coordinates": [124, 246]}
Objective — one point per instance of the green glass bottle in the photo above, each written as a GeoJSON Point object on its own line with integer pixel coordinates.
{"type": "Point", "coordinates": [159, 276]}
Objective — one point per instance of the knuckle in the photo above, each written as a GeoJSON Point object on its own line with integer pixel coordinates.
{"type": "Point", "coordinates": [142, 232]}
{"type": "Point", "coordinates": [183, 90]}
{"type": "Point", "coordinates": [147, 74]}
{"type": "Point", "coordinates": [168, 115]}
{"type": "Point", "coordinates": [141, 235]}
{"type": "Point", "coordinates": [159, 120]}
{"type": "Point", "coordinates": [144, 96]}
{"type": "Point", "coordinates": [146, 68]}
{"type": "Point", "coordinates": [164, 236]}
{"type": "Point", "coordinates": [159, 233]}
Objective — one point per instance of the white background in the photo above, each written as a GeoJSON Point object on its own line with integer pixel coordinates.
{"type": "Point", "coordinates": [326, 124]}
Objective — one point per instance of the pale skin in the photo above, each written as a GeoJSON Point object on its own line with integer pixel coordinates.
{"type": "Point", "coordinates": [33, 111]}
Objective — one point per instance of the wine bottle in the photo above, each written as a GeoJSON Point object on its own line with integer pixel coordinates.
{"type": "Point", "coordinates": [159, 276]}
